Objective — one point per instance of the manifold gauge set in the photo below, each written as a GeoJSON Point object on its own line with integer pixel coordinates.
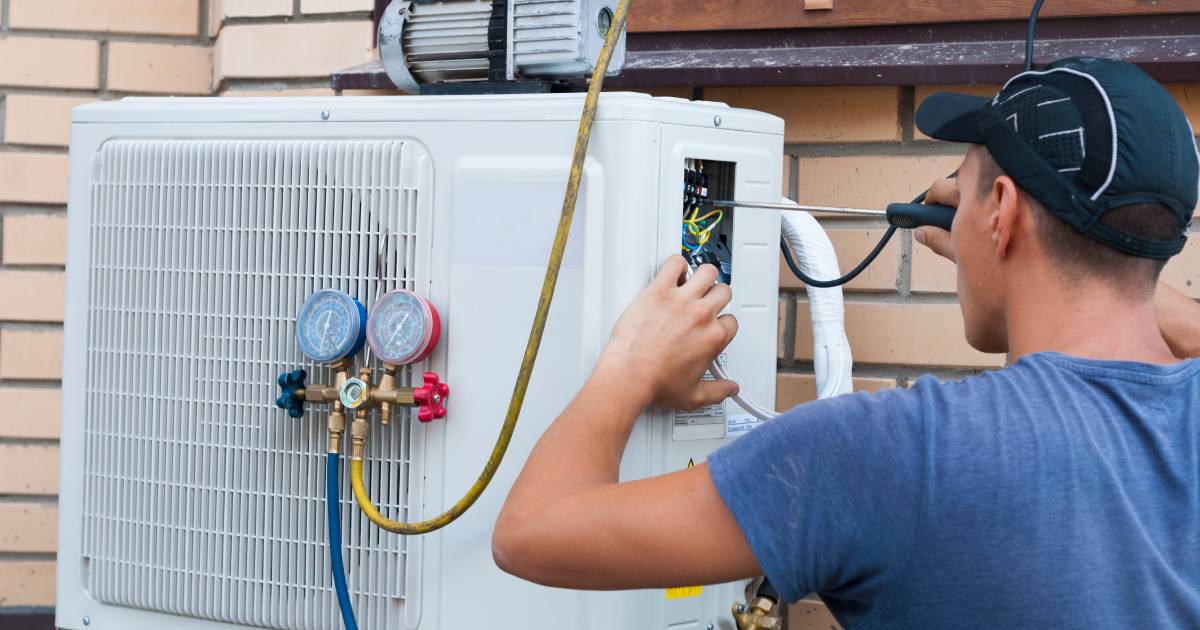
{"type": "Point", "coordinates": [402, 329]}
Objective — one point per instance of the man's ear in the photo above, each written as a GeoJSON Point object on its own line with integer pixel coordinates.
{"type": "Point", "coordinates": [1006, 218]}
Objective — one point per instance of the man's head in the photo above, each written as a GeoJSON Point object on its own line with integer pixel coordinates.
{"type": "Point", "coordinates": [1086, 172]}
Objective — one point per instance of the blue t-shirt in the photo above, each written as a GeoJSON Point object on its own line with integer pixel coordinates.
{"type": "Point", "coordinates": [1058, 493]}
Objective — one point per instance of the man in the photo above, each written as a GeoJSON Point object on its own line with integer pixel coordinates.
{"type": "Point", "coordinates": [1061, 492]}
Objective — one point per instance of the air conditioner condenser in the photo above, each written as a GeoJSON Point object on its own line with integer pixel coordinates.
{"type": "Point", "coordinates": [199, 227]}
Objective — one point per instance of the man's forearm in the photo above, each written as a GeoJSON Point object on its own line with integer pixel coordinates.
{"type": "Point", "coordinates": [1179, 321]}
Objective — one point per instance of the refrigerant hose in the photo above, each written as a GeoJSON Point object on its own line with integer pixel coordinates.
{"type": "Point", "coordinates": [557, 250]}
{"type": "Point", "coordinates": [333, 515]}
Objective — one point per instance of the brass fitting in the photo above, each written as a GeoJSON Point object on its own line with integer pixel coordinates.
{"type": "Point", "coordinates": [761, 611]}
{"type": "Point", "coordinates": [386, 383]}
{"type": "Point", "coordinates": [337, 428]}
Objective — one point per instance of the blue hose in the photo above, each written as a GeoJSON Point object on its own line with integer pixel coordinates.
{"type": "Point", "coordinates": [334, 516]}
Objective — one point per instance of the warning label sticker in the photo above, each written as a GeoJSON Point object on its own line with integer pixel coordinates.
{"type": "Point", "coordinates": [684, 591]}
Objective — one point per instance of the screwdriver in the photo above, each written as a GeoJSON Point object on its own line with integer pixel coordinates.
{"type": "Point", "coordinates": [907, 216]}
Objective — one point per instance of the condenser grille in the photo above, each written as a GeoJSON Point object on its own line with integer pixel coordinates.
{"type": "Point", "coordinates": [201, 498]}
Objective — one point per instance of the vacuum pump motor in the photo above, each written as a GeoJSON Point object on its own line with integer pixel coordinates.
{"type": "Point", "coordinates": [425, 42]}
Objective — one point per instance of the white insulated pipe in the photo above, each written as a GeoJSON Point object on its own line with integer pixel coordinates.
{"type": "Point", "coordinates": [832, 358]}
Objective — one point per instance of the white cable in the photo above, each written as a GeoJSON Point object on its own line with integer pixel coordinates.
{"type": "Point", "coordinates": [832, 359]}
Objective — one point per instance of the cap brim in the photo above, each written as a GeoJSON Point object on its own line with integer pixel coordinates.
{"type": "Point", "coordinates": [952, 117]}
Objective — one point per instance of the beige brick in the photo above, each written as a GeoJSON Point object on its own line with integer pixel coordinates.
{"type": "Point", "coordinates": [292, 50]}
{"type": "Point", "coordinates": [1188, 97]}
{"type": "Point", "coordinates": [159, 68]}
{"type": "Point", "coordinates": [30, 413]}
{"type": "Point", "coordinates": [255, 8]}
{"type": "Point", "coordinates": [901, 334]}
{"type": "Point", "coordinates": [31, 354]}
{"type": "Point", "coordinates": [272, 93]}
{"type": "Point", "coordinates": [26, 583]}
{"type": "Point", "coordinates": [335, 6]}
{"type": "Point", "coordinates": [823, 114]}
{"type": "Point", "coordinates": [29, 470]}
{"type": "Point", "coordinates": [34, 239]}
{"type": "Point", "coordinates": [28, 528]}
{"type": "Point", "coordinates": [808, 615]}
{"type": "Point", "coordinates": [932, 273]}
{"type": "Point", "coordinates": [1183, 272]}
{"type": "Point", "coordinates": [41, 120]}
{"type": "Point", "coordinates": [870, 181]}
{"type": "Point", "coordinates": [852, 246]}
{"type": "Point", "coordinates": [52, 63]}
{"type": "Point", "coordinates": [781, 348]}
{"type": "Point", "coordinates": [33, 177]}
{"type": "Point", "coordinates": [796, 389]}
{"type": "Point", "coordinates": [925, 91]}
{"type": "Point", "coordinates": [32, 296]}
{"type": "Point", "coordinates": [162, 17]}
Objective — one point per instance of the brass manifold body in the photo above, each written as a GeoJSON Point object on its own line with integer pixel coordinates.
{"type": "Point", "coordinates": [357, 396]}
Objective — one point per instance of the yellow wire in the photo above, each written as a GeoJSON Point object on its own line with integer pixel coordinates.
{"type": "Point", "coordinates": [591, 104]}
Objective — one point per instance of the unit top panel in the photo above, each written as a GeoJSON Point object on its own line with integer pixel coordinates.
{"type": "Point", "coordinates": [614, 106]}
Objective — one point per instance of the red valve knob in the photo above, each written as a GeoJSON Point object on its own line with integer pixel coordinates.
{"type": "Point", "coordinates": [431, 399]}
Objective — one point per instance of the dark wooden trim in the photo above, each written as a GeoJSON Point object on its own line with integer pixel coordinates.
{"type": "Point", "coordinates": [20, 620]}
{"type": "Point", "coordinates": [886, 55]}
{"type": "Point", "coordinates": [656, 16]}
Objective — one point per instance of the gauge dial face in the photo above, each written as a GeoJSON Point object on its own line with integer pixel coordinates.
{"type": "Point", "coordinates": [403, 328]}
{"type": "Point", "coordinates": [329, 326]}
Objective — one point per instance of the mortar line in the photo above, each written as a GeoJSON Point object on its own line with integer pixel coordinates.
{"type": "Point", "coordinates": [906, 104]}
{"type": "Point", "coordinates": [904, 278]}
{"type": "Point", "coordinates": [102, 90]}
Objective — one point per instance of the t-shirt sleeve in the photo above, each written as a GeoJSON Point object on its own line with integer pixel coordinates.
{"type": "Point", "coordinates": [829, 494]}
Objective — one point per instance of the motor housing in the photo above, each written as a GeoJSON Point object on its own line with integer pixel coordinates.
{"type": "Point", "coordinates": [429, 42]}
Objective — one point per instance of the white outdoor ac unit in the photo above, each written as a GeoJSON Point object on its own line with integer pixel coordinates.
{"type": "Point", "coordinates": [197, 229]}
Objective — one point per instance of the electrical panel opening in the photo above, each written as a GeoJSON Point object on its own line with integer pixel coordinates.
{"type": "Point", "coordinates": [707, 228]}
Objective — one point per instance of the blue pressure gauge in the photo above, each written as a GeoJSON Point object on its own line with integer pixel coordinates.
{"type": "Point", "coordinates": [331, 326]}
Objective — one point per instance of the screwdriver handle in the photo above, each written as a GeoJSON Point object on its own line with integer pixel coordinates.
{"type": "Point", "coordinates": [909, 216]}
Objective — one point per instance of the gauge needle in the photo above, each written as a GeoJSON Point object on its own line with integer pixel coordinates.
{"type": "Point", "coordinates": [399, 328]}
{"type": "Point", "coordinates": [326, 317]}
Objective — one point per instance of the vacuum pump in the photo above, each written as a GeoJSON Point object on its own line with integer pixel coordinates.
{"type": "Point", "coordinates": [497, 45]}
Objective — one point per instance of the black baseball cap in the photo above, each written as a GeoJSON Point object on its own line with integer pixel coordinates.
{"type": "Point", "coordinates": [1083, 136]}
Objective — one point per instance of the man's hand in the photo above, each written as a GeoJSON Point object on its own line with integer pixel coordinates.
{"type": "Point", "coordinates": [666, 339]}
{"type": "Point", "coordinates": [569, 522]}
{"type": "Point", "coordinates": [943, 192]}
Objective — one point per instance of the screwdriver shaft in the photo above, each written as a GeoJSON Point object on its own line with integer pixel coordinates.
{"type": "Point", "coordinates": [787, 206]}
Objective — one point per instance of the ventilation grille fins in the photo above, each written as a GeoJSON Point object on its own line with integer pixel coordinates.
{"type": "Point", "coordinates": [201, 498]}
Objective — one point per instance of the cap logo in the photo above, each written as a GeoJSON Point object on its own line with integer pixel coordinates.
{"type": "Point", "coordinates": [1112, 119]}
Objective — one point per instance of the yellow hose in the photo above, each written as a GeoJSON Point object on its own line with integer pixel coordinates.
{"type": "Point", "coordinates": [539, 321]}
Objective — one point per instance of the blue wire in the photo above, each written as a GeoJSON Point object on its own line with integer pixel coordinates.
{"type": "Point", "coordinates": [334, 516]}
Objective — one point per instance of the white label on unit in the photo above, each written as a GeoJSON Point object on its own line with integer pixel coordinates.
{"type": "Point", "coordinates": [739, 423]}
{"type": "Point", "coordinates": [706, 423]}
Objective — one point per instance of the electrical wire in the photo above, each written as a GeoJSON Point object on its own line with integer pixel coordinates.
{"type": "Point", "coordinates": [1033, 18]}
{"type": "Point", "coordinates": [334, 517]}
{"type": "Point", "coordinates": [854, 273]}
{"type": "Point", "coordinates": [557, 250]}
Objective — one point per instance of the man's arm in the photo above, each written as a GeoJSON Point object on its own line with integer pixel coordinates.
{"type": "Point", "coordinates": [568, 522]}
{"type": "Point", "coordinates": [1178, 316]}
{"type": "Point", "coordinates": [1179, 321]}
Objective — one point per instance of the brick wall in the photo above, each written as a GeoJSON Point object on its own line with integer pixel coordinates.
{"type": "Point", "coordinates": [847, 146]}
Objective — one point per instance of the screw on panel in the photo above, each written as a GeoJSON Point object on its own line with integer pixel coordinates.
{"type": "Point", "coordinates": [717, 121]}
{"type": "Point", "coordinates": [325, 114]}
{"type": "Point", "coordinates": [87, 621]}
{"type": "Point", "coordinates": [711, 626]}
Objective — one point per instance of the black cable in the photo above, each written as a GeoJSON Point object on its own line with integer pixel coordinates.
{"type": "Point", "coordinates": [1033, 18]}
{"type": "Point", "coordinates": [829, 284]}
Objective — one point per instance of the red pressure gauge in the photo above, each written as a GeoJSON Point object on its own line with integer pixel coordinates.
{"type": "Point", "coordinates": [403, 328]}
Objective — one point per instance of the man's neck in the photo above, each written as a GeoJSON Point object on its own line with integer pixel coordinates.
{"type": "Point", "coordinates": [1085, 319]}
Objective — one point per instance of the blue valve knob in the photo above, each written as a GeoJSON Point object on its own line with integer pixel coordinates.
{"type": "Point", "coordinates": [290, 400]}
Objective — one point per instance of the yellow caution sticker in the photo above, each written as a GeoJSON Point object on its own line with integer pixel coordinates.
{"type": "Point", "coordinates": [684, 591]}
